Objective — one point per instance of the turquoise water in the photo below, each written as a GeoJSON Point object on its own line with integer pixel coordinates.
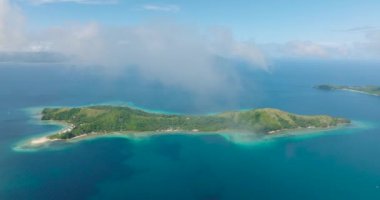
{"type": "Point", "coordinates": [337, 164]}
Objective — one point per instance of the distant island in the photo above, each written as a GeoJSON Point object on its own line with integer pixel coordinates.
{"type": "Point", "coordinates": [370, 90]}
{"type": "Point", "coordinates": [100, 120]}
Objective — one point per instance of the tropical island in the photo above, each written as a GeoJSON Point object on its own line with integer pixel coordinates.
{"type": "Point", "coordinates": [100, 120]}
{"type": "Point", "coordinates": [370, 90]}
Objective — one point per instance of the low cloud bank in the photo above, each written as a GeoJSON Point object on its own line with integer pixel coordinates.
{"type": "Point", "coordinates": [168, 52]}
{"type": "Point", "coordinates": [173, 54]}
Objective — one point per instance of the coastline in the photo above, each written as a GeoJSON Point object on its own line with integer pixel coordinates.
{"type": "Point", "coordinates": [44, 141]}
{"type": "Point", "coordinates": [231, 135]}
{"type": "Point", "coordinates": [361, 92]}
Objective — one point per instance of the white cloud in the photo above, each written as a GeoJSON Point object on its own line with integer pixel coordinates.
{"type": "Point", "coordinates": [96, 2]}
{"type": "Point", "coordinates": [373, 41]}
{"type": "Point", "coordinates": [11, 27]}
{"type": "Point", "coordinates": [366, 48]}
{"type": "Point", "coordinates": [309, 49]}
{"type": "Point", "coordinates": [173, 54]}
{"type": "Point", "coordinates": [170, 53]}
{"type": "Point", "coordinates": [306, 49]}
{"type": "Point", "coordinates": [358, 29]}
{"type": "Point", "coordinates": [225, 45]}
{"type": "Point", "coordinates": [161, 8]}
{"type": "Point", "coordinates": [370, 47]}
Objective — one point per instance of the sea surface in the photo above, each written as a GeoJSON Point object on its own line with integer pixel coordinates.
{"type": "Point", "coordinates": [338, 164]}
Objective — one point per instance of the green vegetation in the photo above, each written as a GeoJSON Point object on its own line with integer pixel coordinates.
{"type": "Point", "coordinates": [372, 90]}
{"type": "Point", "coordinates": [108, 119]}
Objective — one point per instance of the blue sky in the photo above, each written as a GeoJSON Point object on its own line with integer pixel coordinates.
{"type": "Point", "coordinates": [261, 20]}
{"type": "Point", "coordinates": [250, 30]}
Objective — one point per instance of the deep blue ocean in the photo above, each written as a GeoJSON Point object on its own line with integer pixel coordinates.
{"type": "Point", "coordinates": [339, 164]}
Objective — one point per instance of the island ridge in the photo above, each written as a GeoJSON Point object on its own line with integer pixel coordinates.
{"type": "Point", "coordinates": [110, 119]}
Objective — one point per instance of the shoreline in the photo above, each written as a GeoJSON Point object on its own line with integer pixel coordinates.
{"type": "Point", "coordinates": [44, 141]}
{"type": "Point", "coordinates": [361, 92]}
